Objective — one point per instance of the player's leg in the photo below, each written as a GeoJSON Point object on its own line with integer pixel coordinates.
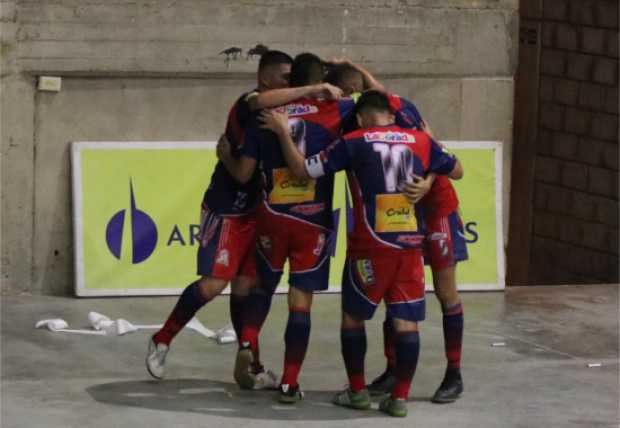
{"type": "Point", "coordinates": [364, 281]}
{"type": "Point", "coordinates": [241, 288]}
{"type": "Point", "coordinates": [309, 264]}
{"type": "Point", "coordinates": [353, 346]}
{"type": "Point", "coordinates": [246, 276]}
{"type": "Point", "coordinates": [384, 383]}
{"type": "Point", "coordinates": [270, 255]}
{"type": "Point", "coordinates": [406, 306]}
{"type": "Point", "coordinates": [217, 265]}
{"type": "Point", "coordinates": [407, 354]}
{"type": "Point", "coordinates": [444, 254]}
{"type": "Point", "coordinates": [194, 297]}
{"type": "Point", "coordinates": [296, 339]}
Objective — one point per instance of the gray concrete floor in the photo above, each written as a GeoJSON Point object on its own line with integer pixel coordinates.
{"type": "Point", "coordinates": [539, 379]}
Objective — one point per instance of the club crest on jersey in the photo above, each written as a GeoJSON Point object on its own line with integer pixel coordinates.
{"type": "Point", "coordinates": [310, 209]}
{"type": "Point", "coordinates": [265, 242]}
{"type": "Point", "coordinates": [389, 137]}
{"type": "Point", "coordinates": [300, 109]}
{"type": "Point", "coordinates": [365, 271]}
{"type": "Point", "coordinates": [223, 258]}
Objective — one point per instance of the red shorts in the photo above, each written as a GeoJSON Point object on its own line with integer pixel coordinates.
{"type": "Point", "coordinates": [305, 245]}
{"type": "Point", "coordinates": [394, 275]}
{"type": "Point", "coordinates": [445, 243]}
{"type": "Point", "coordinates": [226, 248]}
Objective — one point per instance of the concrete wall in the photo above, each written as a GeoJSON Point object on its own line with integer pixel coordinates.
{"type": "Point", "coordinates": [151, 70]}
{"type": "Point", "coordinates": [576, 189]}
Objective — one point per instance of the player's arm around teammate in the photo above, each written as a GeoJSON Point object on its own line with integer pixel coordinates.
{"type": "Point", "coordinates": [382, 273]}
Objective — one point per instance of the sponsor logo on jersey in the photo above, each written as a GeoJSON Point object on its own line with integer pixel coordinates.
{"type": "Point", "coordinates": [365, 271]}
{"type": "Point", "coordinates": [389, 137]}
{"type": "Point", "coordinates": [410, 239]}
{"type": "Point", "coordinates": [298, 109]}
{"type": "Point", "coordinates": [308, 209]}
{"type": "Point", "coordinates": [223, 258]}
{"type": "Point", "coordinates": [391, 212]}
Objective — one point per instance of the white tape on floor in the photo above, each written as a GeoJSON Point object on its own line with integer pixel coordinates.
{"type": "Point", "coordinates": [104, 326]}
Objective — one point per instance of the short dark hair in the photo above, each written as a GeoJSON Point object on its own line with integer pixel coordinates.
{"type": "Point", "coordinates": [274, 58]}
{"type": "Point", "coordinates": [303, 68]}
{"type": "Point", "coordinates": [339, 73]}
{"type": "Point", "coordinates": [373, 100]}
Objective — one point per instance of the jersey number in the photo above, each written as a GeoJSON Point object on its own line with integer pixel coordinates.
{"type": "Point", "coordinates": [397, 162]}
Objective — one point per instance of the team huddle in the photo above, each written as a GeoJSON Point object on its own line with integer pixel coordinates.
{"type": "Point", "coordinates": [270, 200]}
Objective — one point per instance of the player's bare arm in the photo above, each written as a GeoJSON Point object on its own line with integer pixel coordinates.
{"type": "Point", "coordinates": [370, 82]}
{"type": "Point", "coordinates": [278, 123]}
{"type": "Point", "coordinates": [457, 172]}
{"type": "Point", "coordinates": [278, 97]}
{"type": "Point", "coordinates": [241, 169]}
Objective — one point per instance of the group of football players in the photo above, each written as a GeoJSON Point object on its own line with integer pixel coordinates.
{"type": "Point", "coordinates": [270, 200]}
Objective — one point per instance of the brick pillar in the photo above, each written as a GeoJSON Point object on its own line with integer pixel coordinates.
{"type": "Point", "coordinates": [575, 226]}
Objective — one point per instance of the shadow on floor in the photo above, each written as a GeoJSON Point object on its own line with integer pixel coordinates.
{"type": "Point", "coordinates": [222, 399]}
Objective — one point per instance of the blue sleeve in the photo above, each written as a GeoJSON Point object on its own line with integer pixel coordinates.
{"type": "Point", "coordinates": [251, 141]}
{"type": "Point", "coordinates": [346, 107]}
{"type": "Point", "coordinates": [408, 116]}
{"type": "Point", "coordinates": [331, 160]}
{"type": "Point", "coordinates": [441, 162]}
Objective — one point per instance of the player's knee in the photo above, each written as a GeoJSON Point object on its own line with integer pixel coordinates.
{"type": "Point", "coordinates": [299, 299]}
{"type": "Point", "coordinates": [404, 326]}
{"type": "Point", "coordinates": [211, 287]}
{"type": "Point", "coordinates": [242, 285]}
{"type": "Point", "coordinates": [350, 321]}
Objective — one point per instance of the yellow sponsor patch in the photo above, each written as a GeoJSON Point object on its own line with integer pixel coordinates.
{"type": "Point", "coordinates": [394, 213]}
{"type": "Point", "coordinates": [288, 189]}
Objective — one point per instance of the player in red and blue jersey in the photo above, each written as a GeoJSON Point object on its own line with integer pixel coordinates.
{"type": "Point", "coordinates": [294, 222]}
{"type": "Point", "coordinates": [445, 243]}
{"type": "Point", "coordinates": [227, 230]}
{"type": "Point", "coordinates": [384, 254]}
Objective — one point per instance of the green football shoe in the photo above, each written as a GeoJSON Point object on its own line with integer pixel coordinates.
{"type": "Point", "coordinates": [359, 400]}
{"type": "Point", "coordinates": [394, 407]}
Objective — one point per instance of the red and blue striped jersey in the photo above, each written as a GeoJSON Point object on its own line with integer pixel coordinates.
{"type": "Point", "coordinates": [225, 195]}
{"type": "Point", "coordinates": [315, 124]}
{"type": "Point", "coordinates": [379, 161]}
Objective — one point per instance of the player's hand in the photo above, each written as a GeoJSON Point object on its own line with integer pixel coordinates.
{"type": "Point", "coordinates": [329, 91]}
{"type": "Point", "coordinates": [274, 121]}
{"type": "Point", "coordinates": [223, 148]}
{"type": "Point", "coordinates": [418, 188]}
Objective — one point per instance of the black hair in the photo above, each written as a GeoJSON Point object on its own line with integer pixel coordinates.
{"type": "Point", "coordinates": [305, 69]}
{"type": "Point", "coordinates": [373, 100]}
{"type": "Point", "coordinates": [337, 74]}
{"type": "Point", "coordinates": [274, 58]}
